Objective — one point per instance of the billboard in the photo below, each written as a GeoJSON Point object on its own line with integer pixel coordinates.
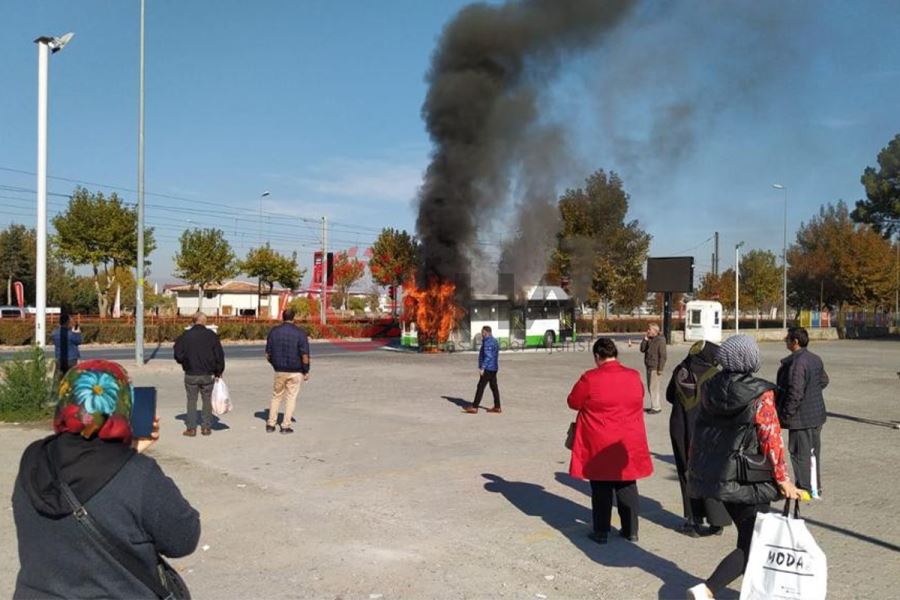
{"type": "Point", "coordinates": [670, 274]}
{"type": "Point", "coordinates": [317, 270]}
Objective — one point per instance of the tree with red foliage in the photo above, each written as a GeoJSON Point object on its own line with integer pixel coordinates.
{"type": "Point", "coordinates": [347, 271]}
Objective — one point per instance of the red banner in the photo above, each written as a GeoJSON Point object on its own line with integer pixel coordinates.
{"type": "Point", "coordinates": [20, 294]}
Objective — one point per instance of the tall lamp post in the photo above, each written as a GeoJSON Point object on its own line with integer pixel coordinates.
{"type": "Point", "coordinates": [46, 46]}
{"type": "Point", "coordinates": [737, 287]}
{"type": "Point", "coordinates": [139, 291]}
{"type": "Point", "coordinates": [778, 186]}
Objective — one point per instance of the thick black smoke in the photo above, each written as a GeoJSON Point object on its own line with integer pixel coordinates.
{"type": "Point", "coordinates": [482, 115]}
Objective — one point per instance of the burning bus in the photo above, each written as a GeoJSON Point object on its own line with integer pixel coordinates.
{"type": "Point", "coordinates": [543, 317]}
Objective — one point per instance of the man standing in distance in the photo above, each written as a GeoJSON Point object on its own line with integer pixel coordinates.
{"type": "Point", "coordinates": [653, 346]}
{"type": "Point", "coordinates": [66, 341]}
{"type": "Point", "coordinates": [488, 365]}
{"type": "Point", "coordinates": [801, 409]}
{"type": "Point", "coordinates": [287, 350]}
{"type": "Point", "coordinates": [199, 352]}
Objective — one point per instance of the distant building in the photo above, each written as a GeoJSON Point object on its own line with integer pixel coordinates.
{"type": "Point", "coordinates": [231, 299]}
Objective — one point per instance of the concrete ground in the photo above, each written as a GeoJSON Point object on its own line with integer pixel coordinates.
{"type": "Point", "coordinates": [388, 491]}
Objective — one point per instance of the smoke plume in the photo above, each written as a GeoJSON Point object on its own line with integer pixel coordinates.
{"type": "Point", "coordinates": [482, 114]}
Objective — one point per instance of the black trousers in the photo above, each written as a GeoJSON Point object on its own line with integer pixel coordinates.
{"type": "Point", "coordinates": [626, 494]}
{"type": "Point", "coordinates": [733, 565]}
{"type": "Point", "coordinates": [804, 446]}
{"type": "Point", "coordinates": [488, 377]}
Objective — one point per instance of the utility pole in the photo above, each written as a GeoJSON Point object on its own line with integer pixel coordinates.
{"type": "Point", "coordinates": [737, 290]}
{"type": "Point", "coordinates": [715, 265]}
{"type": "Point", "coordinates": [324, 269]}
{"type": "Point", "coordinates": [46, 45]}
{"type": "Point", "coordinates": [139, 292]}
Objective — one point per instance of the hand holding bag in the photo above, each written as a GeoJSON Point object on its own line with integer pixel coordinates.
{"type": "Point", "coordinates": [221, 398]}
{"type": "Point", "coordinates": [785, 562]}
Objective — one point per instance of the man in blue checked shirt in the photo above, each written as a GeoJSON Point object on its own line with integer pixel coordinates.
{"type": "Point", "coordinates": [488, 365]}
{"type": "Point", "coordinates": [287, 350]}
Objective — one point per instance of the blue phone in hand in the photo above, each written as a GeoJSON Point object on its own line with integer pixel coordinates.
{"type": "Point", "coordinates": [143, 411]}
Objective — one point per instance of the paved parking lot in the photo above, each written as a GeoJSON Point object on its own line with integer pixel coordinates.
{"type": "Point", "coordinates": [388, 490]}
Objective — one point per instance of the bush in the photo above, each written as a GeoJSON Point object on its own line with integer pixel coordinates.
{"type": "Point", "coordinates": [26, 387]}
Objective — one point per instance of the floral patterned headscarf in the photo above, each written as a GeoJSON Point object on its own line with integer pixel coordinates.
{"type": "Point", "coordinates": [95, 398]}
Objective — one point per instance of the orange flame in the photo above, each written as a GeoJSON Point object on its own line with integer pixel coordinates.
{"type": "Point", "coordinates": [433, 309]}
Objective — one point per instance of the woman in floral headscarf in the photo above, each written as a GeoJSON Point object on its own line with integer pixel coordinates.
{"type": "Point", "coordinates": [123, 490]}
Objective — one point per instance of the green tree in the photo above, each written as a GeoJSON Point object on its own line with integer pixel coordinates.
{"type": "Point", "coordinates": [395, 255]}
{"type": "Point", "coordinates": [347, 270]}
{"type": "Point", "coordinates": [760, 280]}
{"type": "Point", "coordinates": [205, 257]}
{"type": "Point", "coordinates": [271, 267]}
{"type": "Point", "coordinates": [598, 251]}
{"type": "Point", "coordinates": [17, 258]}
{"type": "Point", "coordinates": [881, 208]}
{"type": "Point", "coordinates": [836, 261]}
{"type": "Point", "coordinates": [100, 232]}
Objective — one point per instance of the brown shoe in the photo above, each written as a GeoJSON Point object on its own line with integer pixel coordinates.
{"type": "Point", "coordinates": [190, 432]}
{"type": "Point", "coordinates": [495, 410]}
{"type": "Point", "coordinates": [471, 410]}
{"type": "Point", "coordinates": [206, 431]}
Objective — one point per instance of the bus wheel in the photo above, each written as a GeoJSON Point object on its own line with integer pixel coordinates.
{"type": "Point", "coordinates": [549, 339]}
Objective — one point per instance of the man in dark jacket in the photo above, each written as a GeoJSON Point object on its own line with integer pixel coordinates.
{"type": "Point", "coordinates": [801, 409]}
{"type": "Point", "coordinates": [287, 350]}
{"type": "Point", "coordinates": [199, 352]}
{"type": "Point", "coordinates": [653, 346]}
{"type": "Point", "coordinates": [488, 365]}
{"type": "Point", "coordinates": [66, 340]}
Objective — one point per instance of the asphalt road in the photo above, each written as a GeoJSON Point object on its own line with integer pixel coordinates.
{"type": "Point", "coordinates": [153, 353]}
{"type": "Point", "coordinates": [256, 350]}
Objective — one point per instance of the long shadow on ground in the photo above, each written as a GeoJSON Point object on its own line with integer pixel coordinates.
{"type": "Point", "coordinates": [573, 521]}
{"type": "Point", "coordinates": [217, 424]}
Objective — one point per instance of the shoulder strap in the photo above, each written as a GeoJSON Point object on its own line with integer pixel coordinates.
{"type": "Point", "coordinates": [105, 542]}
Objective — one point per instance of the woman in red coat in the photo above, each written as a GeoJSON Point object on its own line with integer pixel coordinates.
{"type": "Point", "coordinates": [610, 446]}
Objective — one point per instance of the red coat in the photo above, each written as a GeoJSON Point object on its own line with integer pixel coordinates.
{"type": "Point", "coordinates": [610, 439]}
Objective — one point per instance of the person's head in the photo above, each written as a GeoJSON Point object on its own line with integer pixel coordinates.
{"type": "Point", "coordinates": [796, 338]}
{"type": "Point", "coordinates": [199, 318]}
{"type": "Point", "coordinates": [64, 319]}
{"type": "Point", "coordinates": [739, 354]}
{"type": "Point", "coordinates": [94, 400]}
{"type": "Point", "coordinates": [486, 331]}
{"type": "Point", "coordinates": [287, 315]}
{"type": "Point", "coordinates": [605, 350]}
{"type": "Point", "coordinates": [652, 330]}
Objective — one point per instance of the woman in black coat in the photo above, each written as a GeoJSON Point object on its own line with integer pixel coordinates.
{"type": "Point", "coordinates": [683, 393]}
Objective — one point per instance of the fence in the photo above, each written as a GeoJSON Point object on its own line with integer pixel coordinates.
{"type": "Point", "coordinates": [815, 318]}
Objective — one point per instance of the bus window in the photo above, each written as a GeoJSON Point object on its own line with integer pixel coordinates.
{"type": "Point", "coordinates": [716, 318]}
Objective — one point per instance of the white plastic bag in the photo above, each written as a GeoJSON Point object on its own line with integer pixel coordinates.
{"type": "Point", "coordinates": [785, 561]}
{"type": "Point", "coordinates": [221, 399]}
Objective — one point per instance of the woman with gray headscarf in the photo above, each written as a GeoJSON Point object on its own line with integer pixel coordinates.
{"type": "Point", "coordinates": [737, 419]}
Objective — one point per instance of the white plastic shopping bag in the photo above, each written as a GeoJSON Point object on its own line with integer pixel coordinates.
{"type": "Point", "coordinates": [221, 399]}
{"type": "Point", "coordinates": [785, 561]}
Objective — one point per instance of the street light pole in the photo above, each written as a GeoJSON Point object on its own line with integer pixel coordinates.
{"type": "Point", "coordinates": [139, 291]}
{"type": "Point", "coordinates": [778, 186]}
{"type": "Point", "coordinates": [46, 45]}
{"type": "Point", "coordinates": [737, 287]}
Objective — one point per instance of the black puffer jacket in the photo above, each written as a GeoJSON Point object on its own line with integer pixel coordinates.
{"type": "Point", "coordinates": [199, 352]}
{"type": "Point", "coordinates": [726, 426]}
{"type": "Point", "coordinates": [801, 379]}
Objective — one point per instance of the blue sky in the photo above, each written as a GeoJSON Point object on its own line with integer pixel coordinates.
{"type": "Point", "coordinates": [319, 103]}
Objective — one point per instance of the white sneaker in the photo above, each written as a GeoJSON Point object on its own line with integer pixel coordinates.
{"type": "Point", "coordinates": [700, 592]}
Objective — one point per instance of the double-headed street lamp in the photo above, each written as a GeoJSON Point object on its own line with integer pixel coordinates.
{"type": "Point", "coordinates": [778, 186]}
{"type": "Point", "coordinates": [46, 46]}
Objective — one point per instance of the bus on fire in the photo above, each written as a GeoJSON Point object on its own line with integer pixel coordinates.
{"type": "Point", "coordinates": [545, 317]}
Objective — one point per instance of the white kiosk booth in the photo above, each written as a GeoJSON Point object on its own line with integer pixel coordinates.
{"type": "Point", "coordinates": [703, 321]}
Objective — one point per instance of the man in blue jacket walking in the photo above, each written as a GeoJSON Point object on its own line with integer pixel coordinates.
{"type": "Point", "coordinates": [488, 365]}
